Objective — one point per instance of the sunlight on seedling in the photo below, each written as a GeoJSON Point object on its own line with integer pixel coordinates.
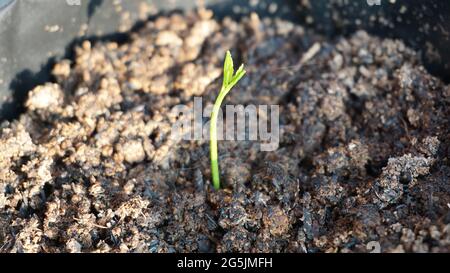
{"type": "Point", "coordinates": [229, 81]}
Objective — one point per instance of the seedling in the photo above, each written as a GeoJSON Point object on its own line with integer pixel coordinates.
{"type": "Point", "coordinates": [230, 79]}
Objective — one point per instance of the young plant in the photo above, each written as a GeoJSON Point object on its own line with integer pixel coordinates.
{"type": "Point", "coordinates": [230, 79]}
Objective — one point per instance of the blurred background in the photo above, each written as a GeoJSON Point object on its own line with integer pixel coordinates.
{"type": "Point", "coordinates": [35, 34]}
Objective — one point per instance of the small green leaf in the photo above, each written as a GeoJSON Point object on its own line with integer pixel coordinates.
{"type": "Point", "coordinates": [240, 70]}
{"type": "Point", "coordinates": [228, 69]}
{"type": "Point", "coordinates": [238, 76]}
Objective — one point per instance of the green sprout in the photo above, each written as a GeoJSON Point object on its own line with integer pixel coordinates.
{"type": "Point", "coordinates": [230, 79]}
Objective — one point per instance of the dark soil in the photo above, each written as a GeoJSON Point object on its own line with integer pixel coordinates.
{"type": "Point", "coordinates": [363, 157]}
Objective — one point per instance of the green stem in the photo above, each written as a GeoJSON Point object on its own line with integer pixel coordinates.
{"type": "Point", "coordinates": [230, 79]}
{"type": "Point", "coordinates": [213, 138]}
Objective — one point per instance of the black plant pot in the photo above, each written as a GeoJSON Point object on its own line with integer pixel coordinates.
{"type": "Point", "coordinates": [34, 34]}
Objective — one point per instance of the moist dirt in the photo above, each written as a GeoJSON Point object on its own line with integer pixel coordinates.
{"type": "Point", "coordinates": [363, 154]}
